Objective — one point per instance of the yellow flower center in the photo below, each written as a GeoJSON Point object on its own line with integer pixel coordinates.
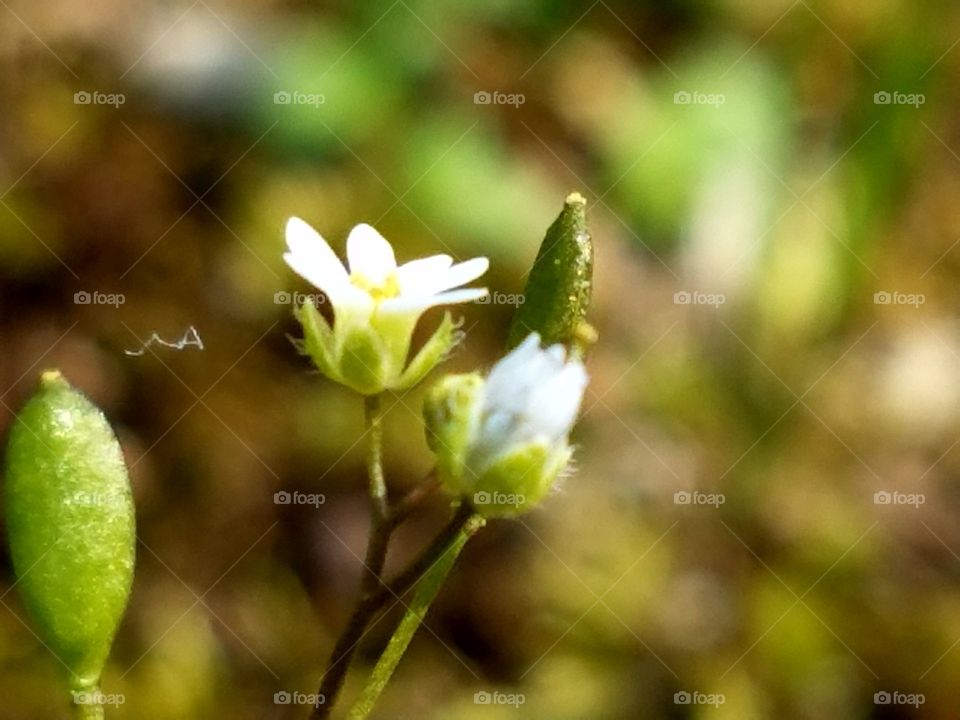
{"type": "Point", "coordinates": [389, 288]}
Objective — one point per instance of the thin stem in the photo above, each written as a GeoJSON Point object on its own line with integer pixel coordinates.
{"type": "Point", "coordinates": [376, 557]}
{"type": "Point", "coordinates": [378, 485]}
{"type": "Point", "coordinates": [426, 592]}
{"type": "Point", "coordinates": [93, 711]}
{"type": "Point", "coordinates": [409, 502]}
{"type": "Point", "coordinates": [87, 703]}
{"type": "Point", "coordinates": [372, 598]}
{"type": "Point", "coordinates": [425, 560]}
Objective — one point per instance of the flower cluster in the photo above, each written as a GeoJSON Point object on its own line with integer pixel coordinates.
{"type": "Point", "coordinates": [500, 441]}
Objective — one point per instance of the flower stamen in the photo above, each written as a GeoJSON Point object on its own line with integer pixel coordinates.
{"type": "Point", "coordinates": [389, 288]}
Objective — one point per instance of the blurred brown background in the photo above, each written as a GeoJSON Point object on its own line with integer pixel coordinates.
{"type": "Point", "coordinates": [772, 189]}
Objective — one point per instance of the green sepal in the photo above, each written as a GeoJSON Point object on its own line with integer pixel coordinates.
{"type": "Point", "coordinates": [559, 289]}
{"type": "Point", "coordinates": [318, 342]}
{"type": "Point", "coordinates": [363, 362]}
{"type": "Point", "coordinates": [434, 351]}
{"type": "Point", "coordinates": [70, 525]}
{"type": "Point", "coordinates": [451, 412]}
{"type": "Point", "coordinates": [517, 481]}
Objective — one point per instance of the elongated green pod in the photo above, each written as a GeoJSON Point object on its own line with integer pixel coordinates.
{"type": "Point", "coordinates": [70, 524]}
{"type": "Point", "coordinates": [560, 285]}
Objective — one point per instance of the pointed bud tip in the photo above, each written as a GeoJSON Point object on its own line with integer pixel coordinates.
{"type": "Point", "coordinates": [576, 198]}
{"type": "Point", "coordinates": [52, 378]}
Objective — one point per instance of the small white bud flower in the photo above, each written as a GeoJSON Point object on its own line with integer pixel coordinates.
{"type": "Point", "coordinates": [502, 441]}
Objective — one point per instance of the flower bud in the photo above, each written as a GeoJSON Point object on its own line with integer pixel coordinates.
{"type": "Point", "coordinates": [502, 441]}
{"type": "Point", "coordinates": [70, 525]}
{"type": "Point", "coordinates": [560, 286]}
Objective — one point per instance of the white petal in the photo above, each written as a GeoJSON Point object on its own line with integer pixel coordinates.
{"type": "Point", "coordinates": [531, 395]}
{"type": "Point", "coordinates": [511, 380]}
{"type": "Point", "coordinates": [341, 294]}
{"type": "Point", "coordinates": [370, 254]}
{"type": "Point", "coordinates": [557, 353]}
{"type": "Point", "coordinates": [419, 277]}
{"type": "Point", "coordinates": [462, 273]}
{"type": "Point", "coordinates": [311, 257]}
{"type": "Point", "coordinates": [554, 404]}
{"type": "Point", "coordinates": [410, 304]}
{"type": "Point", "coordinates": [455, 297]}
{"type": "Point", "coordinates": [507, 367]}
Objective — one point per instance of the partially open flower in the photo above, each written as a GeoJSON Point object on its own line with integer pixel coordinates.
{"type": "Point", "coordinates": [376, 305]}
{"type": "Point", "coordinates": [502, 441]}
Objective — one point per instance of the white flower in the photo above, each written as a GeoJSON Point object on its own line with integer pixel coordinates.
{"type": "Point", "coordinates": [531, 395]}
{"type": "Point", "coordinates": [502, 440]}
{"type": "Point", "coordinates": [374, 281]}
{"type": "Point", "coordinates": [376, 305]}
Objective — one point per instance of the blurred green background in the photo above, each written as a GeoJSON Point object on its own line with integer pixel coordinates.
{"type": "Point", "coordinates": [772, 190]}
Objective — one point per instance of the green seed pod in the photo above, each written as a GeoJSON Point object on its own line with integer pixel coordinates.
{"type": "Point", "coordinates": [70, 523]}
{"type": "Point", "coordinates": [560, 286]}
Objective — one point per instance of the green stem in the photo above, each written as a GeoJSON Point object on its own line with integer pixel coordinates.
{"type": "Point", "coordinates": [88, 712]}
{"type": "Point", "coordinates": [378, 485]}
{"type": "Point", "coordinates": [426, 591]}
{"type": "Point", "coordinates": [376, 556]}
{"type": "Point", "coordinates": [90, 709]}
